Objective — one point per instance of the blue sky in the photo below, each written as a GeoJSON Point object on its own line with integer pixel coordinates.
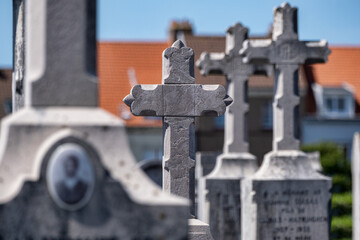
{"type": "Point", "coordinates": [337, 21]}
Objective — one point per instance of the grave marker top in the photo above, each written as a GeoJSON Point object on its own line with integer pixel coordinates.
{"type": "Point", "coordinates": [49, 83]}
{"type": "Point", "coordinates": [237, 73]}
{"type": "Point", "coordinates": [287, 53]}
{"type": "Point", "coordinates": [178, 100]}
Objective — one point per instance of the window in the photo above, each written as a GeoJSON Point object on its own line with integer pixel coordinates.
{"type": "Point", "coordinates": [267, 116]}
{"type": "Point", "coordinates": [338, 105]}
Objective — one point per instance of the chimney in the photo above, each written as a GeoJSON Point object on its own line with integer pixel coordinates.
{"type": "Point", "coordinates": [178, 31]}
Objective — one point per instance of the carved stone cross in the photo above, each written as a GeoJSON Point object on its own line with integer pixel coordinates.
{"type": "Point", "coordinates": [287, 53]}
{"type": "Point", "coordinates": [237, 73]}
{"type": "Point", "coordinates": [178, 100]}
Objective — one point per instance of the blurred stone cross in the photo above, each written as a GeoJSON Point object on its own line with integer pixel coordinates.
{"type": "Point", "coordinates": [237, 73]}
{"type": "Point", "coordinates": [178, 100]}
{"type": "Point", "coordinates": [235, 162]}
{"type": "Point", "coordinates": [286, 193]}
{"type": "Point", "coordinates": [287, 53]}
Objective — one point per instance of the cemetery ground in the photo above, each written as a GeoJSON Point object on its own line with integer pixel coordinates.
{"type": "Point", "coordinates": [335, 165]}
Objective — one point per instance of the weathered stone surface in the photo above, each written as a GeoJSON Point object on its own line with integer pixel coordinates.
{"type": "Point", "coordinates": [287, 53]}
{"type": "Point", "coordinates": [355, 167]}
{"type": "Point", "coordinates": [286, 199]}
{"type": "Point", "coordinates": [179, 101]}
{"type": "Point", "coordinates": [153, 169]}
{"type": "Point", "coordinates": [205, 163]}
{"type": "Point", "coordinates": [199, 230]}
{"type": "Point", "coordinates": [61, 55]}
{"type": "Point", "coordinates": [123, 199]}
{"type": "Point", "coordinates": [176, 100]}
{"type": "Point", "coordinates": [60, 177]}
{"type": "Point", "coordinates": [19, 51]}
{"type": "Point", "coordinates": [219, 204]}
{"type": "Point", "coordinates": [314, 158]}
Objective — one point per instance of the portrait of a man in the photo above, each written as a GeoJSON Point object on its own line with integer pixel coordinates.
{"type": "Point", "coordinates": [71, 189]}
{"type": "Point", "coordinates": [70, 176]}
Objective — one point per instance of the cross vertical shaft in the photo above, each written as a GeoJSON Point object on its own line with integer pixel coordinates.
{"type": "Point", "coordinates": [179, 157]}
{"type": "Point", "coordinates": [285, 108]}
{"type": "Point", "coordinates": [236, 134]}
{"type": "Point", "coordinates": [61, 32]}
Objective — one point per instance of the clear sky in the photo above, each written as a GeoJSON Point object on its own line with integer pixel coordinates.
{"type": "Point", "coordinates": [337, 21]}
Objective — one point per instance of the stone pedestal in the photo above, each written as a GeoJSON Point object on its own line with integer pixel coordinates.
{"type": "Point", "coordinates": [286, 199]}
{"type": "Point", "coordinates": [199, 230]}
{"type": "Point", "coordinates": [122, 202]}
{"type": "Point", "coordinates": [222, 206]}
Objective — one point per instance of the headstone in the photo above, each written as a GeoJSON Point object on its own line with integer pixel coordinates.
{"type": "Point", "coordinates": [355, 167]}
{"type": "Point", "coordinates": [179, 100]}
{"type": "Point", "coordinates": [221, 207]}
{"type": "Point", "coordinates": [62, 173]}
{"type": "Point", "coordinates": [205, 163]}
{"type": "Point", "coordinates": [315, 160]}
{"type": "Point", "coordinates": [19, 57]}
{"type": "Point", "coordinates": [153, 169]}
{"type": "Point", "coordinates": [286, 198]}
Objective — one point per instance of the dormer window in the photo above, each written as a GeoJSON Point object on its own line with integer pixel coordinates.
{"type": "Point", "coordinates": [334, 102]}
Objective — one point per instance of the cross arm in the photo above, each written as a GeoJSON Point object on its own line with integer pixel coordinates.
{"type": "Point", "coordinates": [210, 63]}
{"type": "Point", "coordinates": [256, 51]}
{"type": "Point", "coordinates": [177, 100]}
{"type": "Point", "coordinates": [317, 51]}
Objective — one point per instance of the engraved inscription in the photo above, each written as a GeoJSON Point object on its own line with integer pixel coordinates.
{"type": "Point", "coordinates": [292, 211]}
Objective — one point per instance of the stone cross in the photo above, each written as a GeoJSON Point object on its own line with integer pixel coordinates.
{"type": "Point", "coordinates": [287, 53]}
{"type": "Point", "coordinates": [237, 72]}
{"type": "Point", "coordinates": [178, 100]}
{"type": "Point", "coordinates": [235, 162]}
{"type": "Point", "coordinates": [286, 198]}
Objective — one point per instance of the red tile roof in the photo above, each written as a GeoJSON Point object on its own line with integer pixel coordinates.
{"type": "Point", "coordinates": [343, 66]}
{"type": "Point", "coordinates": [118, 63]}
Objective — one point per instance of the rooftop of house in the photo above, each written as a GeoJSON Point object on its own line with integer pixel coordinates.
{"type": "Point", "coordinates": [124, 64]}
{"type": "Point", "coordinates": [342, 68]}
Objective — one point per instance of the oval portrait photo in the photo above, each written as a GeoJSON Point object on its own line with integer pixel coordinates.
{"type": "Point", "coordinates": [70, 176]}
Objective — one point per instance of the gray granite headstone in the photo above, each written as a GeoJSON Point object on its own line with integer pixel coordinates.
{"type": "Point", "coordinates": [153, 169]}
{"type": "Point", "coordinates": [62, 174]}
{"type": "Point", "coordinates": [221, 206]}
{"type": "Point", "coordinates": [179, 100]}
{"type": "Point", "coordinates": [286, 198]}
{"type": "Point", "coordinates": [355, 167]}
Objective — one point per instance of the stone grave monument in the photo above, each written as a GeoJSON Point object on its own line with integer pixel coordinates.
{"type": "Point", "coordinates": [286, 198]}
{"type": "Point", "coordinates": [221, 207]}
{"type": "Point", "coordinates": [179, 100]}
{"type": "Point", "coordinates": [355, 167]}
{"type": "Point", "coordinates": [153, 169]}
{"type": "Point", "coordinates": [62, 174]}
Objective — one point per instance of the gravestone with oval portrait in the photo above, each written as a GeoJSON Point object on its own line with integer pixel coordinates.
{"type": "Point", "coordinates": [70, 176]}
{"type": "Point", "coordinates": [62, 172]}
